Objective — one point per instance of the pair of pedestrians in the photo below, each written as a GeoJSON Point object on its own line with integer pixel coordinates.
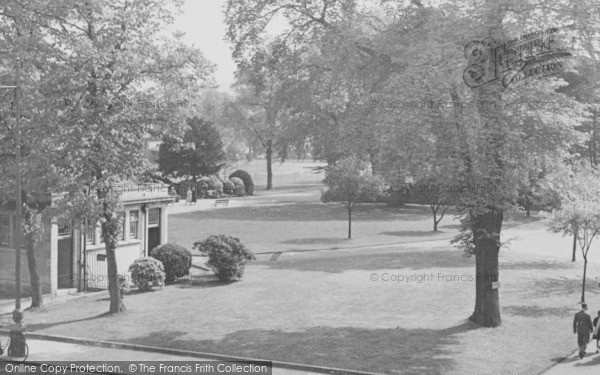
{"type": "Point", "coordinates": [583, 326]}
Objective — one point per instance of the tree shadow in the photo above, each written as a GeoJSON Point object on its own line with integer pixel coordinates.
{"type": "Point", "coordinates": [289, 210]}
{"type": "Point", "coordinates": [370, 262]}
{"type": "Point", "coordinates": [414, 351]}
{"type": "Point", "coordinates": [541, 265]}
{"type": "Point", "coordinates": [559, 286]}
{"type": "Point", "coordinates": [314, 241]}
{"type": "Point", "coordinates": [449, 226]}
{"type": "Point", "coordinates": [537, 311]}
{"type": "Point", "coordinates": [202, 281]}
{"type": "Point", "coordinates": [412, 233]}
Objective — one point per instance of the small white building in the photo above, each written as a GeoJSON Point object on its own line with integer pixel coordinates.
{"type": "Point", "coordinates": [71, 258]}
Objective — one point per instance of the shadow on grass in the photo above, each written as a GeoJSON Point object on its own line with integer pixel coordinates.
{"type": "Point", "coordinates": [414, 351]}
{"type": "Point", "coordinates": [537, 311]}
{"type": "Point", "coordinates": [560, 286]}
{"type": "Point", "coordinates": [314, 241]}
{"type": "Point", "coordinates": [202, 281]}
{"type": "Point", "coordinates": [401, 260]}
{"type": "Point", "coordinates": [288, 210]}
{"type": "Point", "coordinates": [541, 265]}
{"type": "Point", "coordinates": [412, 233]}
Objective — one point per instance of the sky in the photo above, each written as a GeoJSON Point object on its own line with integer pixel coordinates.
{"type": "Point", "coordinates": [204, 26]}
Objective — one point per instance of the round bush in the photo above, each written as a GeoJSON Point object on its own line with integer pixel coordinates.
{"type": "Point", "coordinates": [238, 188]}
{"type": "Point", "coordinates": [176, 260]}
{"type": "Point", "coordinates": [146, 273]}
{"type": "Point", "coordinates": [245, 176]}
{"type": "Point", "coordinates": [215, 184]}
{"type": "Point", "coordinates": [228, 188]}
{"type": "Point", "coordinates": [227, 256]}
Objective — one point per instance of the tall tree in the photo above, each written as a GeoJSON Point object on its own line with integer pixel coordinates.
{"type": "Point", "coordinates": [579, 214]}
{"type": "Point", "coordinates": [102, 59]}
{"type": "Point", "coordinates": [350, 182]}
{"type": "Point", "coordinates": [199, 153]}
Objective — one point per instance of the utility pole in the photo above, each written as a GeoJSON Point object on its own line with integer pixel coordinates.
{"type": "Point", "coordinates": [18, 213]}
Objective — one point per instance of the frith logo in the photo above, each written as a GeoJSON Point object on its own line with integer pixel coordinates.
{"type": "Point", "coordinates": [516, 61]}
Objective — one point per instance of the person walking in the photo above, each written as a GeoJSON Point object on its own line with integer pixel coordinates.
{"type": "Point", "coordinates": [583, 326]}
{"type": "Point", "coordinates": [597, 332]}
{"type": "Point", "coordinates": [188, 197]}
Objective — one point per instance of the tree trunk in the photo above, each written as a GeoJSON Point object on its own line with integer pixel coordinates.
{"type": "Point", "coordinates": [487, 306]}
{"type": "Point", "coordinates": [584, 276]}
{"type": "Point", "coordinates": [349, 222]}
{"type": "Point", "coordinates": [109, 233]}
{"type": "Point", "coordinates": [435, 222]}
{"type": "Point", "coordinates": [269, 164]}
{"type": "Point", "coordinates": [574, 247]}
{"type": "Point", "coordinates": [37, 301]}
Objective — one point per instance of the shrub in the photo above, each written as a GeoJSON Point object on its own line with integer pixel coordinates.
{"type": "Point", "coordinates": [215, 184]}
{"type": "Point", "coordinates": [176, 260]}
{"type": "Point", "coordinates": [228, 188]}
{"type": "Point", "coordinates": [227, 256]}
{"type": "Point", "coordinates": [238, 189]}
{"type": "Point", "coordinates": [245, 176]}
{"type": "Point", "coordinates": [146, 273]}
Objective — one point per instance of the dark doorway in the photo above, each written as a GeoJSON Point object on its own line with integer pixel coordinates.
{"type": "Point", "coordinates": [65, 257]}
{"type": "Point", "coordinates": [153, 238]}
{"type": "Point", "coordinates": [153, 228]}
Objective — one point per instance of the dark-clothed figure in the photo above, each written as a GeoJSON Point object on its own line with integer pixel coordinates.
{"type": "Point", "coordinates": [597, 331]}
{"type": "Point", "coordinates": [583, 327]}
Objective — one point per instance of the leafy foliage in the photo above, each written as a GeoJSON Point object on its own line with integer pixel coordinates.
{"type": "Point", "coordinates": [238, 186]}
{"type": "Point", "coordinates": [579, 214]}
{"type": "Point", "coordinates": [228, 187]}
{"type": "Point", "coordinates": [248, 182]}
{"type": "Point", "coordinates": [350, 181]}
{"type": "Point", "coordinates": [146, 273]}
{"type": "Point", "coordinates": [227, 256]}
{"type": "Point", "coordinates": [199, 153]}
{"type": "Point", "coordinates": [176, 260]}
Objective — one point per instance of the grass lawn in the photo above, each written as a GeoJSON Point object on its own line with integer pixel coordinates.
{"type": "Point", "coordinates": [298, 221]}
{"type": "Point", "coordinates": [323, 308]}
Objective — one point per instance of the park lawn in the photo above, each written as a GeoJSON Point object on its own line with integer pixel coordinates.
{"type": "Point", "coordinates": [322, 308]}
{"type": "Point", "coordinates": [298, 221]}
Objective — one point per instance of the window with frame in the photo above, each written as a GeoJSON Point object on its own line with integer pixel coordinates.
{"type": "Point", "coordinates": [90, 233]}
{"type": "Point", "coordinates": [154, 217]}
{"type": "Point", "coordinates": [6, 233]}
{"type": "Point", "coordinates": [133, 224]}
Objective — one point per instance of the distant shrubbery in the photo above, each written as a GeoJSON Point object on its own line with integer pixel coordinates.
{"type": "Point", "coordinates": [227, 256]}
{"type": "Point", "coordinates": [245, 176]}
{"type": "Point", "coordinates": [239, 188]}
{"type": "Point", "coordinates": [228, 188]}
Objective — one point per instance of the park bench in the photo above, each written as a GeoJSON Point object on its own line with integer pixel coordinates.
{"type": "Point", "coordinates": [221, 202]}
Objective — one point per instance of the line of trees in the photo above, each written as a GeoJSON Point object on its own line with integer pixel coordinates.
{"type": "Point", "coordinates": [312, 83]}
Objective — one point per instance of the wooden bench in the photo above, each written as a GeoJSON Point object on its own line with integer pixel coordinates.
{"type": "Point", "coordinates": [221, 202]}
